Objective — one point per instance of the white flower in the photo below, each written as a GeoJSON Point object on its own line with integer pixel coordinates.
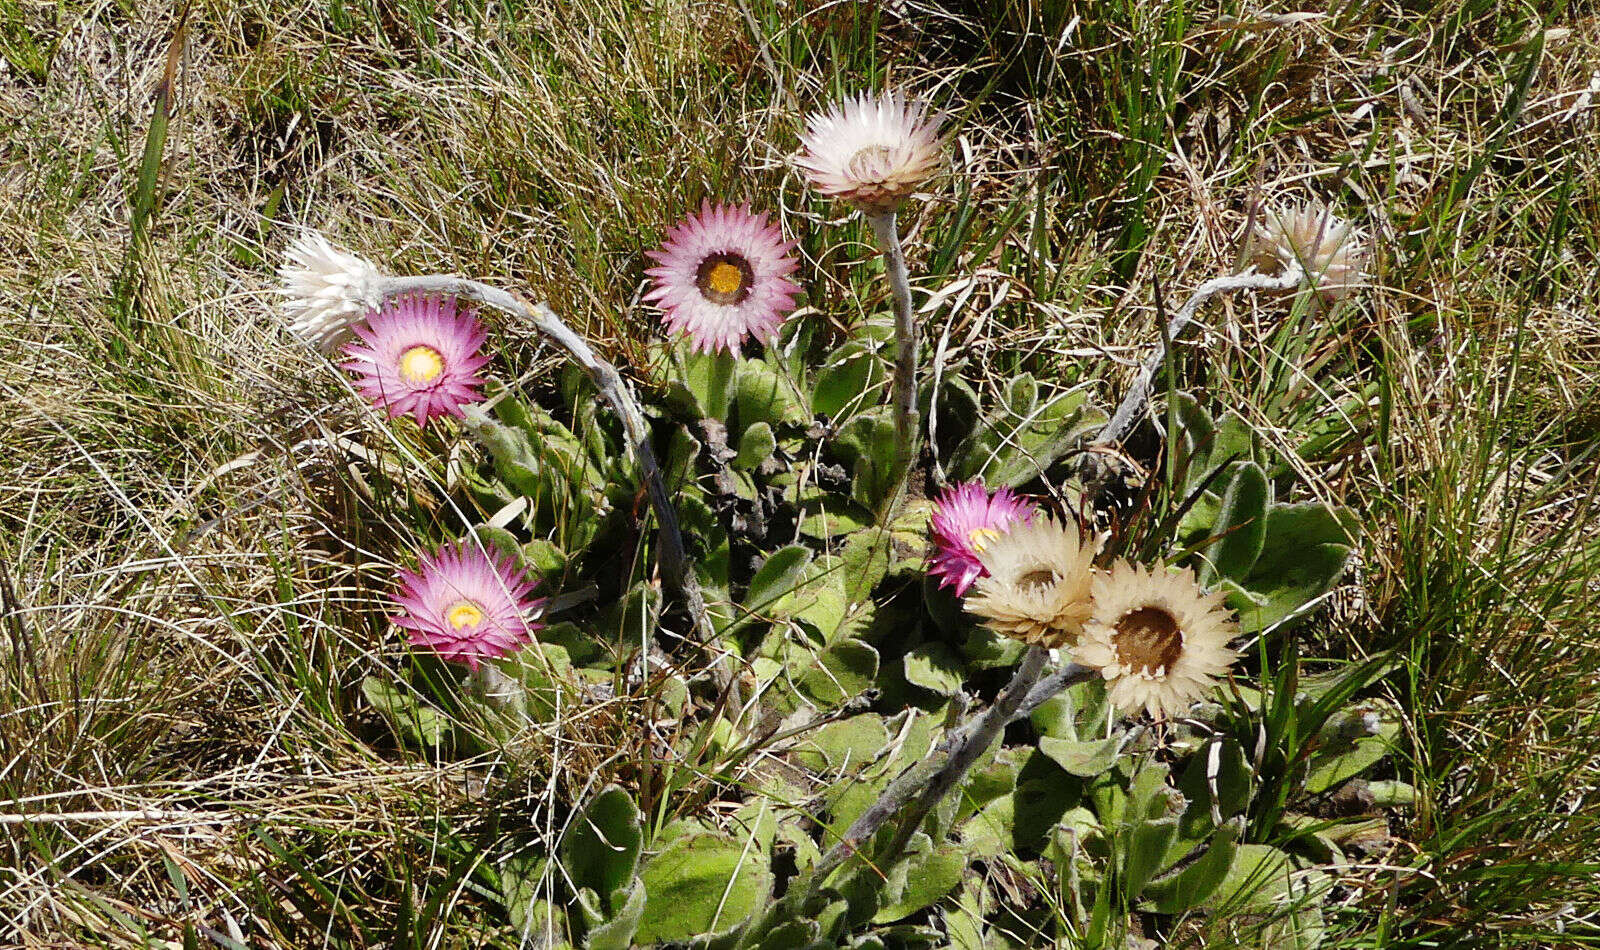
{"type": "Point", "coordinates": [328, 290]}
{"type": "Point", "coordinates": [1329, 251]}
{"type": "Point", "coordinates": [1157, 638]}
{"type": "Point", "coordinates": [871, 151]}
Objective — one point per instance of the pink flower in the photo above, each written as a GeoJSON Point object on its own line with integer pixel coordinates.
{"type": "Point", "coordinates": [420, 357]}
{"type": "Point", "coordinates": [466, 605]}
{"type": "Point", "coordinates": [965, 519]}
{"type": "Point", "coordinates": [722, 275]}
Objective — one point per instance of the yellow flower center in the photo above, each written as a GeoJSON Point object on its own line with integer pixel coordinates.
{"type": "Point", "coordinates": [463, 614]}
{"type": "Point", "coordinates": [724, 278]}
{"type": "Point", "coordinates": [979, 538]}
{"type": "Point", "coordinates": [421, 364]}
{"type": "Point", "coordinates": [1148, 641]}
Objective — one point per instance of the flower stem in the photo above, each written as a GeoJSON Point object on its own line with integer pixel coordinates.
{"type": "Point", "coordinates": [907, 430]}
{"type": "Point", "coordinates": [930, 780]}
{"type": "Point", "coordinates": [1138, 396]}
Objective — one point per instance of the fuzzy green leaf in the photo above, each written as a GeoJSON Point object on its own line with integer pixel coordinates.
{"type": "Point", "coordinates": [762, 394]}
{"type": "Point", "coordinates": [929, 878]}
{"type": "Point", "coordinates": [935, 668]}
{"type": "Point", "coordinates": [1083, 759]}
{"type": "Point", "coordinates": [601, 848]}
{"type": "Point", "coordinates": [779, 574]}
{"type": "Point", "coordinates": [702, 884]}
{"type": "Point", "coordinates": [616, 933]}
{"type": "Point", "coordinates": [412, 719]}
{"type": "Point", "coordinates": [755, 446]}
{"type": "Point", "coordinates": [1241, 525]}
{"type": "Point", "coordinates": [843, 383]}
{"type": "Point", "coordinates": [845, 669]}
{"type": "Point", "coordinates": [1187, 888]}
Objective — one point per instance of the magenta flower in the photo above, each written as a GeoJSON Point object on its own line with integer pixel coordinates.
{"type": "Point", "coordinates": [722, 275]}
{"type": "Point", "coordinates": [965, 519]}
{"type": "Point", "coordinates": [466, 605]}
{"type": "Point", "coordinates": [419, 356]}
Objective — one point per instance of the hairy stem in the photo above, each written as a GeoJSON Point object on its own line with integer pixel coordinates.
{"type": "Point", "coordinates": [929, 781]}
{"type": "Point", "coordinates": [675, 564]}
{"type": "Point", "coordinates": [1138, 396]}
{"type": "Point", "coordinates": [905, 336]}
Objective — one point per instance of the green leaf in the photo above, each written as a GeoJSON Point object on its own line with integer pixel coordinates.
{"type": "Point", "coordinates": [871, 447]}
{"type": "Point", "coordinates": [1083, 759]}
{"type": "Point", "coordinates": [601, 848]}
{"type": "Point", "coordinates": [1186, 888]}
{"type": "Point", "coordinates": [1241, 525]}
{"type": "Point", "coordinates": [845, 380]}
{"type": "Point", "coordinates": [755, 446]}
{"type": "Point", "coordinates": [935, 668]}
{"type": "Point", "coordinates": [705, 383]}
{"type": "Point", "coordinates": [764, 395]}
{"type": "Point", "coordinates": [520, 878]}
{"type": "Point", "coordinates": [627, 913]}
{"type": "Point", "coordinates": [1257, 877]}
{"type": "Point", "coordinates": [844, 746]}
{"type": "Point", "coordinates": [844, 670]}
{"type": "Point", "coordinates": [1347, 749]}
{"type": "Point", "coordinates": [831, 518]}
{"type": "Point", "coordinates": [1143, 851]}
{"type": "Point", "coordinates": [929, 878]}
{"type": "Point", "coordinates": [702, 884]}
{"type": "Point", "coordinates": [411, 718]}
{"type": "Point", "coordinates": [779, 574]}
{"type": "Point", "coordinates": [867, 556]}
{"type": "Point", "coordinates": [499, 542]}
{"type": "Point", "coordinates": [1281, 587]}
{"type": "Point", "coordinates": [987, 650]}
{"type": "Point", "coordinates": [544, 557]}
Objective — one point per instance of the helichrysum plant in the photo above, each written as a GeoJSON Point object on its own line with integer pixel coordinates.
{"type": "Point", "coordinates": [466, 605]}
{"type": "Point", "coordinates": [419, 356]}
{"type": "Point", "coordinates": [966, 519]}
{"type": "Point", "coordinates": [723, 276]}
{"type": "Point", "coordinates": [795, 598]}
{"type": "Point", "coordinates": [326, 290]}
{"type": "Point", "coordinates": [1158, 639]}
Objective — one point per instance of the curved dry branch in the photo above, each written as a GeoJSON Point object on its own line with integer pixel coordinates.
{"type": "Point", "coordinates": [1138, 396]}
{"type": "Point", "coordinates": [676, 567]}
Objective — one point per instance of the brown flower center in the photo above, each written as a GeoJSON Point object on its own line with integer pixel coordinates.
{"type": "Point", "coordinates": [724, 278]}
{"type": "Point", "coordinates": [1148, 640]}
{"type": "Point", "coordinates": [463, 614]}
{"type": "Point", "coordinates": [421, 364]}
{"type": "Point", "coordinates": [1038, 577]}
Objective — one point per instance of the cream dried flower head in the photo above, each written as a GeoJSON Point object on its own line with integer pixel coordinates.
{"type": "Point", "coordinates": [871, 151]}
{"type": "Point", "coordinates": [1038, 581]}
{"type": "Point", "coordinates": [1158, 639]}
{"type": "Point", "coordinates": [328, 290]}
{"type": "Point", "coordinates": [1330, 251]}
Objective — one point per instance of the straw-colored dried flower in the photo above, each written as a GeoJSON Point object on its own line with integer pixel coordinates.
{"type": "Point", "coordinates": [1038, 583]}
{"type": "Point", "coordinates": [328, 290]}
{"type": "Point", "coordinates": [871, 151]}
{"type": "Point", "coordinates": [1330, 251]}
{"type": "Point", "coordinates": [1159, 640]}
